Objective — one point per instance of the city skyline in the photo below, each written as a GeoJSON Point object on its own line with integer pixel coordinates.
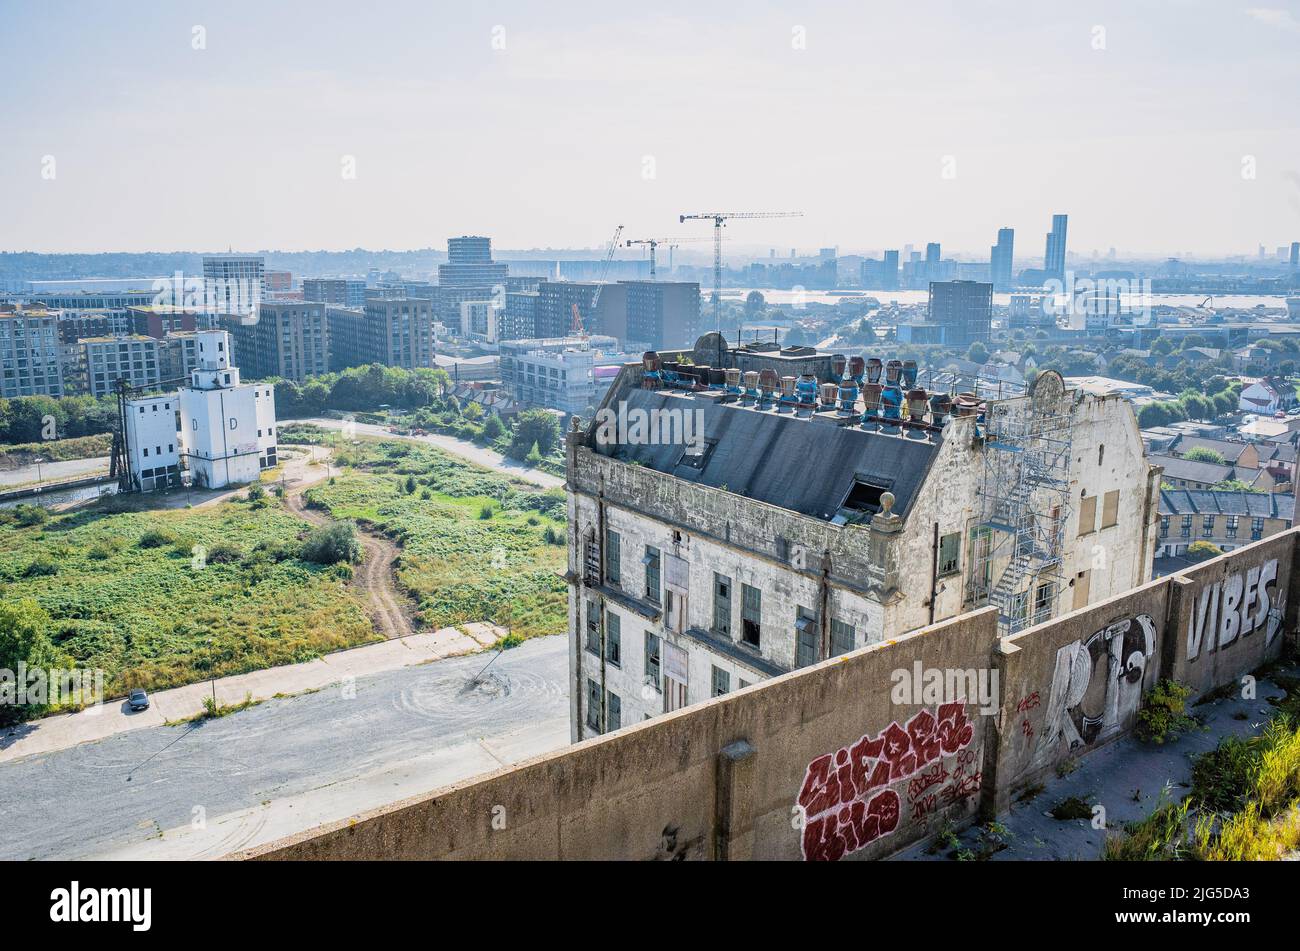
{"type": "Point", "coordinates": [189, 127]}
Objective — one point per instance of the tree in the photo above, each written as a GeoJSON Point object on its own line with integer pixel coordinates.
{"type": "Point", "coordinates": [978, 353]}
{"type": "Point", "coordinates": [493, 428]}
{"type": "Point", "coordinates": [534, 457]}
{"type": "Point", "coordinates": [1201, 550]}
{"type": "Point", "coordinates": [754, 305]}
{"type": "Point", "coordinates": [332, 543]}
{"type": "Point", "coordinates": [534, 427]}
{"type": "Point", "coordinates": [22, 640]}
{"type": "Point", "coordinates": [1204, 454]}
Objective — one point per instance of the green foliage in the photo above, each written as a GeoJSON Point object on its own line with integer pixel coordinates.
{"type": "Point", "coordinates": [30, 514]}
{"type": "Point", "coordinates": [534, 456]}
{"type": "Point", "coordinates": [457, 566]}
{"type": "Point", "coordinates": [1073, 807]}
{"type": "Point", "coordinates": [1204, 454]}
{"type": "Point", "coordinates": [493, 428]}
{"type": "Point", "coordinates": [144, 614]}
{"type": "Point", "coordinates": [1160, 836]}
{"type": "Point", "coordinates": [23, 639]}
{"type": "Point", "coordinates": [332, 543]}
{"type": "Point", "coordinates": [1163, 716]}
{"type": "Point", "coordinates": [534, 428]}
{"type": "Point", "coordinates": [1201, 550]}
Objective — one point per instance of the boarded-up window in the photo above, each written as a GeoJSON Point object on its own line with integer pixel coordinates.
{"type": "Point", "coordinates": [1110, 509]}
{"type": "Point", "coordinates": [841, 637]}
{"type": "Point", "coordinates": [1081, 584]}
{"type": "Point", "coordinates": [1088, 515]}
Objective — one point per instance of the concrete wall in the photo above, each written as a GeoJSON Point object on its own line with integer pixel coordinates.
{"type": "Point", "coordinates": [856, 756]}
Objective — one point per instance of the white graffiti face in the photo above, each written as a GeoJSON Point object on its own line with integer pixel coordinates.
{"type": "Point", "coordinates": [1235, 608]}
{"type": "Point", "coordinates": [1096, 686]}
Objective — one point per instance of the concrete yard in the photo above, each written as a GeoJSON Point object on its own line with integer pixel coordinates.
{"type": "Point", "coordinates": [201, 791]}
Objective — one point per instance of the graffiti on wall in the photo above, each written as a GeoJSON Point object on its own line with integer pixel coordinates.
{"type": "Point", "coordinates": [1096, 688]}
{"type": "Point", "coordinates": [1231, 610]}
{"type": "Point", "coordinates": [848, 799]}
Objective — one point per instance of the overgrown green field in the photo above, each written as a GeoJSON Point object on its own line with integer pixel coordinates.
{"type": "Point", "coordinates": [476, 545]}
{"type": "Point", "coordinates": [125, 591]}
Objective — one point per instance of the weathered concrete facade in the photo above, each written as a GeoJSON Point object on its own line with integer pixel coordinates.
{"type": "Point", "coordinates": [680, 591]}
{"type": "Point", "coordinates": [834, 761]}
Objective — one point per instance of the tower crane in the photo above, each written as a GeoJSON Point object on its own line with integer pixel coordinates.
{"type": "Point", "coordinates": [669, 243]}
{"type": "Point", "coordinates": [577, 328]}
{"type": "Point", "coordinates": [719, 218]}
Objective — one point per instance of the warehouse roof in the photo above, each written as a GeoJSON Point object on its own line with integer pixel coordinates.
{"type": "Point", "coordinates": [806, 465]}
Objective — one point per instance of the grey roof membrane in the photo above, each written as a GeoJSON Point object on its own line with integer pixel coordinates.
{"type": "Point", "coordinates": [804, 465]}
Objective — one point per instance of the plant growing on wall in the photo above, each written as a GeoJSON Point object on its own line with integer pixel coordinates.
{"type": "Point", "coordinates": [1164, 716]}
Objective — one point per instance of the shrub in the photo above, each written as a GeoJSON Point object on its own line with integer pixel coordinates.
{"type": "Point", "coordinates": [30, 515]}
{"type": "Point", "coordinates": [224, 553]}
{"type": "Point", "coordinates": [534, 456]}
{"type": "Point", "coordinates": [486, 511]}
{"type": "Point", "coordinates": [410, 485]}
{"type": "Point", "coordinates": [332, 543]}
{"type": "Point", "coordinates": [42, 566]}
{"type": "Point", "coordinates": [1164, 712]}
{"type": "Point", "coordinates": [256, 492]}
{"type": "Point", "coordinates": [553, 537]}
{"type": "Point", "coordinates": [156, 538]}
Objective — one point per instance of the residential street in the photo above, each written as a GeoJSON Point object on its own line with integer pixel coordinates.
{"type": "Point", "coordinates": [288, 764]}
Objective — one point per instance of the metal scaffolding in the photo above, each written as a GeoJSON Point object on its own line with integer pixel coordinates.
{"type": "Point", "coordinates": [1025, 505]}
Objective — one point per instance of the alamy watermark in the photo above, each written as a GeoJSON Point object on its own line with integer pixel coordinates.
{"type": "Point", "coordinates": [931, 686]}
{"type": "Point", "coordinates": [674, 426]}
{"type": "Point", "coordinates": [1083, 300]}
{"type": "Point", "coordinates": [51, 687]}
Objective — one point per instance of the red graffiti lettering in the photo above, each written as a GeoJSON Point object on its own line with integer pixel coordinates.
{"type": "Point", "coordinates": [844, 804]}
{"type": "Point", "coordinates": [1029, 703]}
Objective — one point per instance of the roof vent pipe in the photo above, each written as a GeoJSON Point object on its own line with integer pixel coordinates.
{"type": "Point", "coordinates": [829, 392]}
{"type": "Point", "coordinates": [916, 405]}
{"type": "Point", "coordinates": [909, 374]}
{"type": "Point", "coordinates": [893, 371]}
{"type": "Point", "coordinates": [871, 398]}
{"type": "Point", "coordinates": [839, 363]}
{"type": "Point", "coordinates": [751, 383]}
{"type": "Point", "coordinates": [787, 389]}
{"type": "Point", "coordinates": [848, 396]}
{"type": "Point", "coordinates": [768, 383]}
{"type": "Point", "coordinates": [806, 389]}
{"type": "Point", "coordinates": [940, 405]}
{"type": "Point", "coordinates": [873, 370]}
{"type": "Point", "coordinates": [860, 369]}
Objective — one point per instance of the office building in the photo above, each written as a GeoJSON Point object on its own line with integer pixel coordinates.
{"type": "Point", "coordinates": [29, 354]}
{"type": "Point", "coordinates": [1054, 257]}
{"type": "Point", "coordinates": [288, 339]}
{"type": "Point", "coordinates": [558, 373]}
{"type": "Point", "coordinates": [660, 314]}
{"type": "Point", "coordinates": [964, 309]}
{"type": "Point", "coordinates": [234, 283]}
{"type": "Point", "coordinates": [131, 358]}
{"type": "Point", "coordinates": [520, 319]}
{"type": "Point", "coordinates": [340, 292]}
{"type": "Point", "coordinates": [1000, 260]}
{"type": "Point", "coordinates": [557, 299]}
{"type": "Point", "coordinates": [391, 331]}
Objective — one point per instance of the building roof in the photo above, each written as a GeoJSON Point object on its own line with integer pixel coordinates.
{"type": "Point", "coordinates": [805, 465]}
{"type": "Point", "coordinates": [1211, 502]}
{"type": "Point", "coordinates": [1230, 451]}
{"type": "Point", "coordinates": [1176, 468]}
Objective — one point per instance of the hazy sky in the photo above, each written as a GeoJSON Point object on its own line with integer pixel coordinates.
{"type": "Point", "coordinates": [157, 145]}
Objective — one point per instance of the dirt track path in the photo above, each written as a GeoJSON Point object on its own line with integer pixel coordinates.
{"type": "Point", "coordinates": [389, 611]}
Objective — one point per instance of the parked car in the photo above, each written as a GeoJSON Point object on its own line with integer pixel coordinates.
{"type": "Point", "coordinates": [138, 700]}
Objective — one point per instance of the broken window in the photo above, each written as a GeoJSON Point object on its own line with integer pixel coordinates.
{"type": "Point", "coordinates": [652, 660]}
{"type": "Point", "coordinates": [751, 619]}
{"type": "Point", "coordinates": [614, 711]}
{"type": "Point", "coordinates": [651, 562]}
{"type": "Point", "coordinates": [721, 604]}
{"type": "Point", "coordinates": [593, 627]}
{"type": "Point", "coordinates": [806, 648]}
{"type": "Point", "coordinates": [613, 639]}
{"type": "Point", "coordinates": [721, 682]}
{"type": "Point", "coordinates": [593, 705]}
{"type": "Point", "coordinates": [949, 552]}
{"type": "Point", "coordinates": [864, 495]}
